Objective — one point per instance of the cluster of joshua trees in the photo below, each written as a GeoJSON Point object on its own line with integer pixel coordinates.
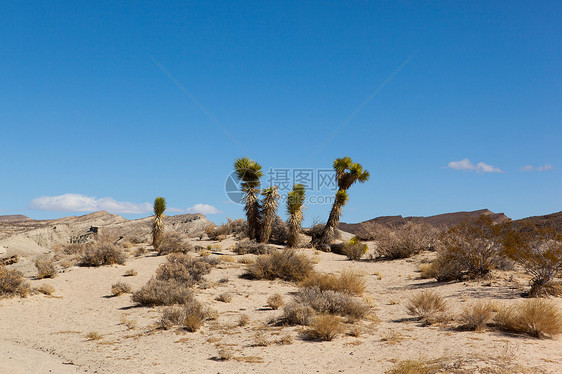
{"type": "Point", "coordinates": [260, 215]}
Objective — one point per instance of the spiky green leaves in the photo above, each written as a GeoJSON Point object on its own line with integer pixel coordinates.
{"type": "Point", "coordinates": [159, 206]}
{"type": "Point", "coordinates": [349, 172]}
{"type": "Point", "coordinates": [341, 197]}
{"type": "Point", "coordinates": [248, 171]}
{"type": "Point", "coordinates": [295, 199]}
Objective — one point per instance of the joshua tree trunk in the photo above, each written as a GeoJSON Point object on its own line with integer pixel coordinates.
{"type": "Point", "coordinates": [328, 234]}
{"type": "Point", "coordinates": [294, 229]}
{"type": "Point", "coordinates": [157, 228]}
{"type": "Point", "coordinates": [252, 209]}
{"type": "Point", "coordinates": [269, 208]}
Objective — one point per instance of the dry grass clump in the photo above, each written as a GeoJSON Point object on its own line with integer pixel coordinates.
{"type": "Point", "coordinates": [297, 314]}
{"type": "Point", "coordinates": [243, 320]}
{"type": "Point", "coordinates": [12, 283]}
{"type": "Point", "coordinates": [275, 301]}
{"type": "Point", "coordinates": [46, 289]}
{"type": "Point", "coordinates": [476, 316]}
{"type": "Point", "coordinates": [173, 243]}
{"type": "Point", "coordinates": [354, 249]}
{"type": "Point", "coordinates": [288, 265]}
{"type": "Point", "coordinates": [161, 292]}
{"type": "Point", "coordinates": [130, 273]}
{"type": "Point", "coordinates": [413, 367]}
{"type": "Point", "coordinates": [251, 247]}
{"type": "Point", "coordinates": [94, 335]}
{"type": "Point", "coordinates": [406, 241]}
{"type": "Point", "coordinates": [101, 253]}
{"type": "Point", "coordinates": [428, 306]}
{"type": "Point", "coordinates": [45, 267]}
{"type": "Point", "coordinates": [190, 315]}
{"type": "Point", "coordinates": [120, 288]}
{"type": "Point", "coordinates": [539, 318]}
{"type": "Point", "coordinates": [225, 354]}
{"type": "Point", "coordinates": [324, 327]}
{"type": "Point", "coordinates": [184, 269]}
{"type": "Point", "coordinates": [348, 281]}
{"type": "Point", "coordinates": [332, 302]}
{"type": "Point", "coordinates": [237, 227]}
{"type": "Point", "coordinates": [224, 297]}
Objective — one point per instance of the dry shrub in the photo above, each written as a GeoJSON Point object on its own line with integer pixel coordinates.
{"type": "Point", "coordinates": [101, 253]}
{"type": "Point", "coordinates": [285, 340]}
{"type": "Point", "coordinates": [324, 327]}
{"type": "Point", "coordinates": [140, 251]}
{"type": "Point", "coordinates": [275, 301]}
{"type": "Point", "coordinates": [427, 305]}
{"type": "Point", "coordinates": [297, 314]}
{"type": "Point", "coordinates": [183, 268]}
{"type": "Point", "coordinates": [413, 367]}
{"type": "Point", "coordinates": [251, 247]}
{"type": "Point", "coordinates": [243, 320]}
{"type": "Point", "coordinates": [45, 267]}
{"type": "Point", "coordinates": [46, 289]}
{"type": "Point", "coordinates": [347, 282]}
{"type": "Point", "coordinates": [94, 335]}
{"type": "Point", "coordinates": [12, 283]}
{"type": "Point", "coordinates": [246, 260]}
{"type": "Point", "coordinates": [469, 250]}
{"type": "Point", "coordinates": [172, 242]}
{"type": "Point", "coordinates": [225, 354]}
{"type": "Point", "coordinates": [190, 315]}
{"type": "Point", "coordinates": [224, 297]}
{"type": "Point", "coordinates": [539, 318]}
{"type": "Point", "coordinates": [315, 230]}
{"type": "Point", "coordinates": [130, 273]}
{"type": "Point", "coordinates": [354, 249]}
{"type": "Point", "coordinates": [287, 265]}
{"type": "Point", "coordinates": [237, 227]}
{"type": "Point", "coordinates": [476, 316]}
{"type": "Point", "coordinates": [227, 258]}
{"type": "Point", "coordinates": [406, 240]}
{"type": "Point", "coordinates": [332, 302]}
{"type": "Point", "coordinates": [279, 231]}
{"type": "Point", "coordinates": [120, 288]}
{"type": "Point", "coordinates": [160, 292]}
{"type": "Point", "coordinates": [260, 340]}
{"type": "Point", "coordinates": [539, 251]}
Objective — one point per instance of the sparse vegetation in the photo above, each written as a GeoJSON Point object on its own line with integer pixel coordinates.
{"type": "Point", "coordinates": [131, 273]}
{"type": "Point", "coordinates": [163, 292]}
{"type": "Point", "coordinates": [251, 247]}
{"type": "Point", "coordinates": [324, 327]}
{"type": "Point", "coordinates": [224, 297]}
{"type": "Point", "coordinates": [406, 240]}
{"type": "Point", "coordinates": [12, 283]}
{"type": "Point", "coordinates": [275, 301]}
{"type": "Point", "coordinates": [171, 242]}
{"type": "Point", "coordinates": [348, 281]}
{"type": "Point", "coordinates": [332, 302]}
{"type": "Point", "coordinates": [45, 267]}
{"type": "Point", "coordinates": [183, 269]}
{"type": "Point", "coordinates": [237, 227]}
{"type": "Point", "coordinates": [427, 306]}
{"type": "Point", "coordinates": [413, 367]}
{"type": "Point", "coordinates": [190, 315]}
{"type": "Point", "coordinates": [120, 288]}
{"type": "Point", "coordinates": [287, 265]}
{"type": "Point", "coordinates": [295, 313]}
{"type": "Point", "coordinates": [477, 315]}
{"type": "Point", "coordinates": [46, 289]}
{"type": "Point", "coordinates": [243, 320]}
{"type": "Point", "coordinates": [539, 318]}
{"type": "Point", "coordinates": [100, 253]}
{"type": "Point", "coordinates": [94, 335]}
{"type": "Point", "coordinates": [354, 249]}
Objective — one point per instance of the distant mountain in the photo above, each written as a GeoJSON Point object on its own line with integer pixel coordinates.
{"type": "Point", "coordinates": [554, 219]}
{"type": "Point", "coordinates": [14, 217]}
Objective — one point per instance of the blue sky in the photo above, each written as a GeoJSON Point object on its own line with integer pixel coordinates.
{"type": "Point", "coordinates": [464, 110]}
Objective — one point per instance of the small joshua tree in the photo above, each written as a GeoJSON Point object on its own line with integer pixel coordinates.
{"type": "Point", "coordinates": [295, 201]}
{"type": "Point", "coordinates": [347, 173]}
{"type": "Point", "coordinates": [158, 223]}
{"type": "Point", "coordinates": [269, 207]}
{"type": "Point", "coordinates": [249, 172]}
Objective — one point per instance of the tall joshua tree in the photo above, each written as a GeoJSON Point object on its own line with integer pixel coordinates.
{"type": "Point", "coordinates": [158, 223]}
{"type": "Point", "coordinates": [249, 172]}
{"type": "Point", "coordinates": [347, 173]}
{"type": "Point", "coordinates": [269, 207]}
{"type": "Point", "coordinates": [295, 200]}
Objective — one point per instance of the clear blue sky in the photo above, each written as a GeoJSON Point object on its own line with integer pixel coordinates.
{"type": "Point", "coordinates": [466, 112]}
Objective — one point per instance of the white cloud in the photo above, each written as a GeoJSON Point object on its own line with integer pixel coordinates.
{"type": "Point", "coordinates": [79, 203]}
{"type": "Point", "coordinates": [544, 167]}
{"type": "Point", "coordinates": [203, 208]}
{"type": "Point", "coordinates": [480, 167]}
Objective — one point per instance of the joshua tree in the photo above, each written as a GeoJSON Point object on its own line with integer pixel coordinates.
{"type": "Point", "coordinates": [347, 173]}
{"type": "Point", "coordinates": [158, 224]}
{"type": "Point", "coordinates": [269, 207]}
{"type": "Point", "coordinates": [249, 172]}
{"type": "Point", "coordinates": [295, 200]}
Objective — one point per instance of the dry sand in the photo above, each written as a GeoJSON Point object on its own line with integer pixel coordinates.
{"type": "Point", "coordinates": [47, 334]}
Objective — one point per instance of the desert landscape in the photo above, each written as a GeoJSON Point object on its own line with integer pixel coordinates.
{"type": "Point", "coordinates": [79, 318]}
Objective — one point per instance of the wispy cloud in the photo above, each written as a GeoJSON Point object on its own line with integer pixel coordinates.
{"type": "Point", "coordinates": [480, 167]}
{"type": "Point", "coordinates": [203, 208]}
{"type": "Point", "coordinates": [544, 167]}
{"type": "Point", "coordinates": [71, 202]}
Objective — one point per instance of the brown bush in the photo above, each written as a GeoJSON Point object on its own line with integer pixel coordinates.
{"type": "Point", "coordinates": [347, 282]}
{"type": "Point", "coordinates": [469, 250]}
{"type": "Point", "coordinates": [279, 231]}
{"type": "Point", "coordinates": [46, 289]}
{"type": "Point", "coordinates": [539, 251]}
{"type": "Point", "coordinates": [539, 318]}
{"type": "Point", "coordinates": [224, 297]}
{"type": "Point", "coordinates": [324, 327]}
{"type": "Point", "coordinates": [275, 301]}
{"type": "Point", "coordinates": [477, 316]}
{"type": "Point", "coordinates": [45, 267]}
{"type": "Point", "coordinates": [190, 315]}
{"type": "Point", "coordinates": [332, 302]}
{"type": "Point", "coordinates": [287, 265]}
{"type": "Point", "coordinates": [406, 240]}
{"type": "Point", "coordinates": [160, 292]}
{"type": "Point", "coordinates": [354, 249]}
{"type": "Point", "coordinates": [12, 283]}
{"type": "Point", "coordinates": [251, 247]}
{"type": "Point", "coordinates": [120, 288]}
{"type": "Point", "coordinates": [295, 313]}
{"type": "Point", "coordinates": [427, 306]}
{"type": "Point", "coordinates": [101, 253]}
{"type": "Point", "coordinates": [237, 227]}
{"type": "Point", "coordinates": [172, 242]}
{"type": "Point", "coordinates": [183, 269]}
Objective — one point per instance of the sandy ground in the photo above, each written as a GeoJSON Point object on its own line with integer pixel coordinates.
{"type": "Point", "coordinates": [47, 334]}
